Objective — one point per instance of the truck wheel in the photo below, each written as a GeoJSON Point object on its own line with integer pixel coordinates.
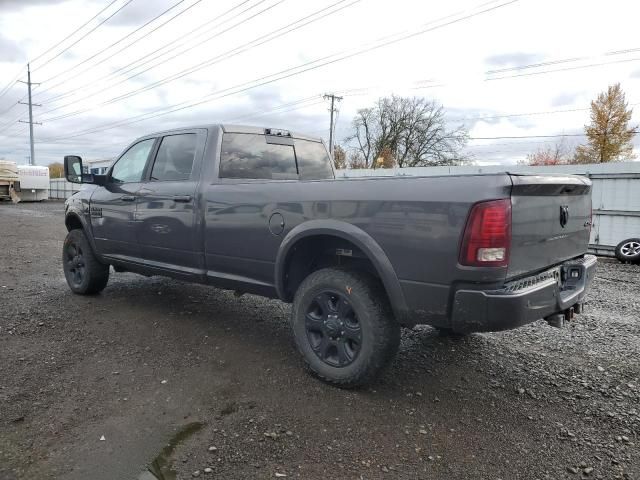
{"type": "Point", "coordinates": [343, 327]}
{"type": "Point", "coordinates": [629, 250]}
{"type": "Point", "coordinates": [84, 273]}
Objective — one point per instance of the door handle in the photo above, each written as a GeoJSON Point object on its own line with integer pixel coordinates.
{"type": "Point", "coordinates": [182, 198]}
{"type": "Point", "coordinates": [128, 198]}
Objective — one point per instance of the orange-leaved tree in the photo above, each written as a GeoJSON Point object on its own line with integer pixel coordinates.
{"type": "Point", "coordinates": [56, 170]}
{"type": "Point", "coordinates": [609, 134]}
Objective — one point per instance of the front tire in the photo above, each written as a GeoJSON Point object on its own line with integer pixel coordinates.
{"type": "Point", "coordinates": [343, 327]}
{"type": "Point", "coordinates": [84, 273]}
{"type": "Point", "coordinates": [628, 251]}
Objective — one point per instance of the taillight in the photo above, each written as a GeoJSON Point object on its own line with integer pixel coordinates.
{"type": "Point", "coordinates": [487, 235]}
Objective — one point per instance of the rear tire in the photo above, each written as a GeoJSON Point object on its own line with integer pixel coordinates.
{"type": "Point", "coordinates": [628, 251]}
{"type": "Point", "coordinates": [344, 327]}
{"type": "Point", "coordinates": [84, 273]}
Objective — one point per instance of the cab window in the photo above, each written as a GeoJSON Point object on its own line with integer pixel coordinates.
{"type": "Point", "coordinates": [313, 160]}
{"type": "Point", "coordinates": [130, 166]}
{"type": "Point", "coordinates": [250, 156]}
{"type": "Point", "coordinates": [174, 160]}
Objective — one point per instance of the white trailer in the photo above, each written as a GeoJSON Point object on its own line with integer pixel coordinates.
{"type": "Point", "coordinates": [9, 181]}
{"type": "Point", "coordinates": [34, 183]}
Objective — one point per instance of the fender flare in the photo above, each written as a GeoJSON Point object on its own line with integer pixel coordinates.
{"type": "Point", "coordinates": [353, 234]}
{"type": "Point", "coordinates": [75, 213]}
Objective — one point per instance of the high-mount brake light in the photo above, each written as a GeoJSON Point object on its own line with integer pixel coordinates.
{"type": "Point", "coordinates": [487, 235]}
{"type": "Point", "coordinates": [277, 132]}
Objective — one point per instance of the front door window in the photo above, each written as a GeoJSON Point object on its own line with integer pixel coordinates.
{"type": "Point", "coordinates": [130, 166]}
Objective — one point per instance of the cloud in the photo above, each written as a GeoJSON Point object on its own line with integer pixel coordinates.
{"type": "Point", "coordinates": [138, 13]}
{"type": "Point", "coordinates": [267, 97]}
{"type": "Point", "coordinates": [457, 68]}
{"type": "Point", "coordinates": [10, 51]}
{"type": "Point", "coordinates": [512, 59]}
{"type": "Point", "coordinates": [566, 98]}
{"type": "Point", "coordinates": [20, 4]}
{"type": "Point", "coordinates": [472, 117]}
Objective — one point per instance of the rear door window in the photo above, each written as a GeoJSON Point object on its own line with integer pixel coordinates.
{"type": "Point", "coordinates": [174, 160]}
{"type": "Point", "coordinates": [250, 156]}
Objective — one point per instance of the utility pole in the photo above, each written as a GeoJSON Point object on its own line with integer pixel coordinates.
{"type": "Point", "coordinates": [32, 160]}
{"type": "Point", "coordinates": [333, 99]}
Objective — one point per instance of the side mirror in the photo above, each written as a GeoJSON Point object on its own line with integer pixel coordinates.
{"type": "Point", "coordinates": [74, 174]}
{"type": "Point", "coordinates": [73, 168]}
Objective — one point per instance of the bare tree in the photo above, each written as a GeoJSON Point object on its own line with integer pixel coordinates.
{"type": "Point", "coordinates": [406, 132]}
{"type": "Point", "coordinates": [558, 154]}
{"type": "Point", "coordinates": [357, 161]}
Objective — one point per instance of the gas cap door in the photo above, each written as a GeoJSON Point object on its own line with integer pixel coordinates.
{"type": "Point", "coordinates": [276, 223]}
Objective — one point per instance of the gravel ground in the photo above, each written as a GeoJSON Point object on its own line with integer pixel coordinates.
{"type": "Point", "coordinates": [98, 387]}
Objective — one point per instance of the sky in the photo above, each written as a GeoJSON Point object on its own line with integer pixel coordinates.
{"type": "Point", "coordinates": [113, 70]}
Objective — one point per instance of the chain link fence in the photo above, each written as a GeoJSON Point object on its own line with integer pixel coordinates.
{"type": "Point", "coordinates": [60, 189]}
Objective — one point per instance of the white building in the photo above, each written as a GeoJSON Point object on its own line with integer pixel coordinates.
{"type": "Point", "coordinates": [97, 166]}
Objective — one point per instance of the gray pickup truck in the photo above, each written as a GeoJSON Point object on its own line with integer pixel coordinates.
{"type": "Point", "coordinates": [259, 211]}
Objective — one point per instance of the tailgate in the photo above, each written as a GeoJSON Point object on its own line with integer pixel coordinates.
{"type": "Point", "coordinates": [551, 218]}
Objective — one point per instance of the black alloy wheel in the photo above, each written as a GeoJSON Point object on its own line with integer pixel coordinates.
{"type": "Point", "coordinates": [343, 326]}
{"type": "Point", "coordinates": [85, 274]}
{"type": "Point", "coordinates": [75, 263]}
{"type": "Point", "coordinates": [333, 329]}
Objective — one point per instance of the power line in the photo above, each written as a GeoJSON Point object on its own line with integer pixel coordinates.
{"type": "Point", "coordinates": [527, 114]}
{"type": "Point", "coordinates": [120, 40]}
{"type": "Point", "coordinates": [565, 69]}
{"type": "Point", "coordinates": [516, 144]}
{"type": "Point", "coordinates": [10, 124]}
{"type": "Point", "coordinates": [429, 23]}
{"type": "Point", "coordinates": [86, 34]}
{"type": "Point", "coordinates": [279, 109]}
{"type": "Point", "coordinates": [148, 56]}
{"type": "Point", "coordinates": [290, 72]}
{"type": "Point", "coordinates": [13, 105]}
{"type": "Point", "coordinates": [14, 81]}
{"type": "Point", "coordinates": [214, 60]}
{"type": "Point", "coordinates": [561, 61]}
{"type": "Point", "coordinates": [512, 115]}
{"type": "Point", "coordinates": [535, 65]}
{"type": "Point", "coordinates": [157, 83]}
{"type": "Point", "coordinates": [316, 98]}
{"type": "Point", "coordinates": [539, 136]}
{"type": "Point", "coordinates": [433, 84]}
{"type": "Point", "coordinates": [74, 32]}
{"type": "Point", "coordinates": [6, 88]}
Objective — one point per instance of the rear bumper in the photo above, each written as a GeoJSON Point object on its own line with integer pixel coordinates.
{"type": "Point", "coordinates": [523, 301]}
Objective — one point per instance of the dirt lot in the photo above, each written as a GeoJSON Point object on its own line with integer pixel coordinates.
{"type": "Point", "coordinates": [97, 387]}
